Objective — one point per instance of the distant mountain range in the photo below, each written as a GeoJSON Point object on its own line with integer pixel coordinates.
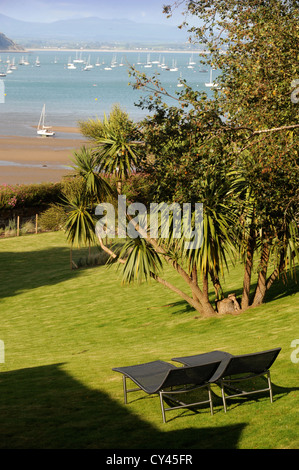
{"type": "Point", "coordinates": [7, 44]}
{"type": "Point", "coordinates": [91, 29]}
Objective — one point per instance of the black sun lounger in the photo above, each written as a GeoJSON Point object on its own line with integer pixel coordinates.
{"type": "Point", "coordinates": [234, 369]}
{"type": "Point", "coordinates": [167, 380]}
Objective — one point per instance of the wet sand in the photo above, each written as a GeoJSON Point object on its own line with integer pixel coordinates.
{"type": "Point", "coordinates": [25, 160]}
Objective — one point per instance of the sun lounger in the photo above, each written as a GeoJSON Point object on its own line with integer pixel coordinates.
{"type": "Point", "coordinates": [167, 380]}
{"type": "Point", "coordinates": [234, 369]}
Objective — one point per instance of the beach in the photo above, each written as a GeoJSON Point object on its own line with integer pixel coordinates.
{"type": "Point", "coordinates": [25, 160]}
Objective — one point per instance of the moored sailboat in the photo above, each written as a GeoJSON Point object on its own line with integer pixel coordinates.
{"type": "Point", "coordinates": [43, 130]}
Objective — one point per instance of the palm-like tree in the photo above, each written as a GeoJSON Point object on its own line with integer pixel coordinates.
{"type": "Point", "coordinates": [117, 145]}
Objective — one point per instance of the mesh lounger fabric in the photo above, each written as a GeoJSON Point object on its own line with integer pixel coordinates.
{"type": "Point", "coordinates": [157, 375]}
{"type": "Point", "coordinates": [168, 380]}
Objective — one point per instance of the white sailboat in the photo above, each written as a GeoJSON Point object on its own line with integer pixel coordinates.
{"type": "Point", "coordinates": [180, 84]}
{"type": "Point", "coordinates": [78, 60]}
{"type": "Point", "coordinates": [148, 62]}
{"type": "Point", "coordinates": [211, 84]}
{"type": "Point", "coordinates": [174, 67]}
{"type": "Point", "coordinates": [70, 65]}
{"type": "Point", "coordinates": [88, 66]}
{"type": "Point", "coordinates": [41, 128]}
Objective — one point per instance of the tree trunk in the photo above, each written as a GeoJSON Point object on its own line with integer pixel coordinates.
{"type": "Point", "coordinates": [205, 287]}
{"type": "Point", "coordinates": [261, 287]}
{"type": "Point", "coordinates": [191, 301]}
{"type": "Point", "coordinates": [194, 279]}
{"type": "Point", "coordinates": [248, 270]}
{"type": "Point", "coordinates": [217, 286]}
{"type": "Point", "coordinates": [277, 271]}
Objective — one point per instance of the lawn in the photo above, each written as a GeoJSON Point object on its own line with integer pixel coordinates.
{"type": "Point", "coordinates": [64, 330]}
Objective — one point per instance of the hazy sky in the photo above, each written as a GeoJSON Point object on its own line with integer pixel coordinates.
{"type": "Point", "coordinates": [146, 11]}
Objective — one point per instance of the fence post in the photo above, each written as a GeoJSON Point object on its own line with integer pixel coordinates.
{"type": "Point", "coordinates": [36, 218]}
{"type": "Point", "coordinates": [18, 226]}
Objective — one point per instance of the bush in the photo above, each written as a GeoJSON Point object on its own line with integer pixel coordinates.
{"type": "Point", "coordinates": [11, 229]}
{"type": "Point", "coordinates": [28, 227]}
{"type": "Point", "coordinates": [29, 195]}
{"type": "Point", "coordinates": [53, 218]}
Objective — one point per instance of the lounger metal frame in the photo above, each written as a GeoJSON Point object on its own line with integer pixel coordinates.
{"type": "Point", "coordinates": [226, 383]}
{"type": "Point", "coordinates": [170, 395]}
{"type": "Point", "coordinates": [228, 373]}
{"type": "Point", "coordinates": [172, 381]}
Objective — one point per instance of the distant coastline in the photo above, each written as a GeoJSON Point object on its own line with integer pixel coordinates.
{"type": "Point", "coordinates": [139, 49]}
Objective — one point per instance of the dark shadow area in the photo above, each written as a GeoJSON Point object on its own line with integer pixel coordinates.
{"type": "Point", "coordinates": [32, 269]}
{"type": "Point", "coordinates": [180, 307]}
{"type": "Point", "coordinates": [286, 285]}
{"type": "Point", "coordinates": [45, 408]}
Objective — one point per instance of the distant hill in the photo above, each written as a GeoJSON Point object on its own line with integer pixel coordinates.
{"type": "Point", "coordinates": [92, 29]}
{"type": "Point", "coordinates": [7, 44]}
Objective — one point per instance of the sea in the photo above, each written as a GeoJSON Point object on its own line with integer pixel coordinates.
{"type": "Point", "coordinates": [81, 85]}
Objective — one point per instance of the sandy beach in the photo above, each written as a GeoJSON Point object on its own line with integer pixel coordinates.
{"type": "Point", "coordinates": [25, 160]}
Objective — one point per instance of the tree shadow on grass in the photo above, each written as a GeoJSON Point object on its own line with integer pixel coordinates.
{"type": "Point", "coordinates": [46, 408]}
{"type": "Point", "coordinates": [284, 286]}
{"type": "Point", "coordinates": [32, 269]}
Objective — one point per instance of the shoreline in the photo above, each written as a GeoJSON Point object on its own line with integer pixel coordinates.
{"type": "Point", "coordinates": [27, 160]}
{"type": "Point", "coordinates": [138, 50]}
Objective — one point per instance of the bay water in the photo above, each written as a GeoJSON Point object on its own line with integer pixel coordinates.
{"type": "Point", "coordinates": [79, 93]}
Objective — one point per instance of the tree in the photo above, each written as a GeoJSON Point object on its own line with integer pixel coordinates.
{"type": "Point", "coordinates": [254, 45]}
{"type": "Point", "coordinates": [116, 143]}
{"type": "Point", "coordinates": [236, 152]}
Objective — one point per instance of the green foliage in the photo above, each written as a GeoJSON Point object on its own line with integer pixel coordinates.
{"type": "Point", "coordinates": [142, 261]}
{"type": "Point", "coordinates": [53, 218]}
{"type": "Point", "coordinates": [29, 195]}
{"type": "Point", "coordinates": [116, 145]}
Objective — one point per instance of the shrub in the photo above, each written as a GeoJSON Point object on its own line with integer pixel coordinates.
{"type": "Point", "coordinates": [28, 227]}
{"type": "Point", "coordinates": [29, 195]}
{"type": "Point", "coordinates": [11, 229]}
{"type": "Point", "coordinates": [53, 218]}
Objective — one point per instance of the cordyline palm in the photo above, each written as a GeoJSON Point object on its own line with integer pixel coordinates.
{"type": "Point", "coordinates": [217, 237]}
{"type": "Point", "coordinates": [80, 224]}
{"type": "Point", "coordinates": [86, 166]}
{"type": "Point", "coordinates": [116, 149]}
{"type": "Point", "coordinates": [144, 257]}
{"type": "Point", "coordinates": [267, 235]}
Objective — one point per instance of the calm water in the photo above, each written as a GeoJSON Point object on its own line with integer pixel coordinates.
{"type": "Point", "coordinates": [72, 95]}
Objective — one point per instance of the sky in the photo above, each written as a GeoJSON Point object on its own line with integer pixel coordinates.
{"type": "Point", "coordinates": [143, 11]}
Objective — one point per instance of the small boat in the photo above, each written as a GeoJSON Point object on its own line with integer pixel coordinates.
{"type": "Point", "coordinates": [174, 67]}
{"type": "Point", "coordinates": [70, 65]}
{"type": "Point", "coordinates": [78, 60]}
{"type": "Point", "coordinates": [180, 84]}
{"type": "Point", "coordinates": [43, 130]}
{"type": "Point", "coordinates": [148, 62]}
{"type": "Point", "coordinates": [88, 66]}
{"type": "Point", "coordinates": [211, 84]}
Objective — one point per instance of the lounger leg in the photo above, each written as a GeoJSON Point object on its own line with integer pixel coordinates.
{"type": "Point", "coordinates": [162, 407]}
{"type": "Point", "coordinates": [210, 399]}
{"type": "Point", "coordinates": [125, 388]}
{"type": "Point", "coordinates": [270, 386]}
{"type": "Point", "coordinates": [223, 396]}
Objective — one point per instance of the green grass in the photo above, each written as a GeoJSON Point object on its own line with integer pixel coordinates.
{"type": "Point", "coordinates": [65, 330]}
